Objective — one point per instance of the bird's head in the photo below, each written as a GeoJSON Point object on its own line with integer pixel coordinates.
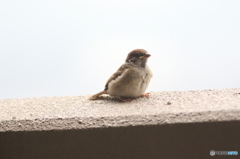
{"type": "Point", "coordinates": [138, 57]}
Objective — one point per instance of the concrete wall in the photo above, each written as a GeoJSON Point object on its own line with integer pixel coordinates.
{"type": "Point", "coordinates": [166, 125]}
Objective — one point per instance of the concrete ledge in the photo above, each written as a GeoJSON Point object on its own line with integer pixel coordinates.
{"type": "Point", "coordinates": [166, 125]}
{"type": "Point", "coordinates": [64, 113]}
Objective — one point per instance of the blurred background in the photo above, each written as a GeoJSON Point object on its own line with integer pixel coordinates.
{"type": "Point", "coordinates": [69, 48]}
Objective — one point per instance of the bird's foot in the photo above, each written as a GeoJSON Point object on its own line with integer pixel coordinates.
{"type": "Point", "coordinates": [127, 100]}
{"type": "Point", "coordinates": [145, 95]}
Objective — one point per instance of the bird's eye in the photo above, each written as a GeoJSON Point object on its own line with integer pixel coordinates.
{"type": "Point", "coordinates": [132, 60]}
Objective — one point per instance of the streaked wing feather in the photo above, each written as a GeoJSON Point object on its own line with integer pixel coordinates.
{"type": "Point", "coordinates": [117, 74]}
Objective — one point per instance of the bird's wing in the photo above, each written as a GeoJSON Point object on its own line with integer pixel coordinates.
{"type": "Point", "coordinates": [125, 67]}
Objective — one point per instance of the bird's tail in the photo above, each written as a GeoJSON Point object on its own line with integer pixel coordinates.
{"type": "Point", "coordinates": [96, 96]}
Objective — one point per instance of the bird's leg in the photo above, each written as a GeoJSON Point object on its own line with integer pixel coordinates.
{"type": "Point", "coordinates": [145, 95]}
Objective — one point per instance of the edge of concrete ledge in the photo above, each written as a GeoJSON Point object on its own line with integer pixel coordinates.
{"type": "Point", "coordinates": [66, 113]}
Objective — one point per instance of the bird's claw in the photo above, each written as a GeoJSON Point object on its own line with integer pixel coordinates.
{"type": "Point", "coordinates": [145, 95]}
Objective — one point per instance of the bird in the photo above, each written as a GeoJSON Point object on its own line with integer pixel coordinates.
{"type": "Point", "coordinates": [131, 79]}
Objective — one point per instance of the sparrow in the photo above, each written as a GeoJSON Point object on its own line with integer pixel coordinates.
{"type": "Point", "coordinates": [131, 79]}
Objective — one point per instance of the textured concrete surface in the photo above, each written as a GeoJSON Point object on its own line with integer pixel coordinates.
{"type": "Point", "coordinates": [166, 125]}
{"type": "Point", "coordinates": [66, 113]}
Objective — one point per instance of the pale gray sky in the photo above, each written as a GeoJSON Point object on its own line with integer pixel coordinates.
{"type": "Point", "coordinates": [66, 48]}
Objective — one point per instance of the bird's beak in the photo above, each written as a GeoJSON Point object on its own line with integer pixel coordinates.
{"type": "Point", "coordinates": [145, 56]}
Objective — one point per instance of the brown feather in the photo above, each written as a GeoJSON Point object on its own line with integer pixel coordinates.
{"type": "Point", "coordinates": [96, 96]}
{"type": "Point", "coordinates": [117, 74]}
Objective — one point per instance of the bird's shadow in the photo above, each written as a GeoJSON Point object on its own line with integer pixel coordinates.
{"type": "Point", "coordinates": [117, 99]}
